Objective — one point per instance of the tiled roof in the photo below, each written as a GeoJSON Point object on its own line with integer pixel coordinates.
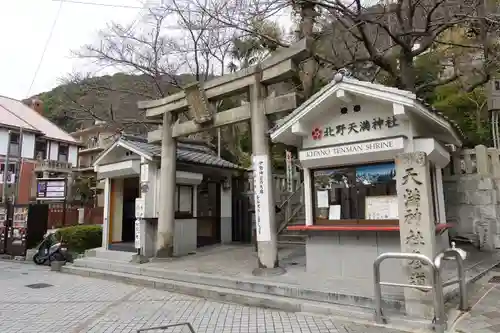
{"type": "Point", "coordinates": [376, 86]}
{"type": "Point", "coordinates": [14, 113]}
{"type": "Point", "coordinates": [186, 152]}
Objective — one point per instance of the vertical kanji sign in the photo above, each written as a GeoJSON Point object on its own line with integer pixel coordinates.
{"type": "Point", "coordinates": [417, 225]}
{"type": "Point", "coordinates": [262, 178]}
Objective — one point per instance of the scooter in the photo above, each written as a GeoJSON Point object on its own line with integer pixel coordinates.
{"type": "Point", "coordinates": [51, 249]}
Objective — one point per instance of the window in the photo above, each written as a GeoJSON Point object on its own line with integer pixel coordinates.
{"type": "Point", "coordinates": [40, 149]}
{"type": "Point", "coordinates": [14, 144]}
{"type": "Point", "coordinates": [184, 201]}
{"type": "Point", "coordinates": [93, 142]}
{"type": "Point", "coordinates": [351, 193]}
{"type": "Point", "coordinates": [63, 153]}
{"type": "Point", "coordinates": [11, 178]}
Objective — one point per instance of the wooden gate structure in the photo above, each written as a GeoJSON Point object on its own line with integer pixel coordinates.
{"type": "Point", "coordinates": [198, 99]}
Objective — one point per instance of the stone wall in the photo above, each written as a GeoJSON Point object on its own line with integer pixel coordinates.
{"type": "Point", "coordinates": [471, 186]}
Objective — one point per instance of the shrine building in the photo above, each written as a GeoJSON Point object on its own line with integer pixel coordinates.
{"type": "Point", "coordinates": [348, 136]}
{"type": "Point", "coordinates": [130, 169]}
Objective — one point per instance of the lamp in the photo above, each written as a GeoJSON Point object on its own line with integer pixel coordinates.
{"type": "Point", "coordinates": [226, 184]}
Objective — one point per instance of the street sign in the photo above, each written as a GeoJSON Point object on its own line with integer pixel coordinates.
{"type": "Point", "coordinates": [53, 189]}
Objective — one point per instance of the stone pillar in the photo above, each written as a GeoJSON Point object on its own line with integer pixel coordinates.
{"type": "Point", "coordinates": [145, 229]}
{"type": "Point", "coordinates": [69, 186]}
{"type": "Point", "coordinates": [308, 196]}
{"type": "Point", "coordinates": [417, 229]}
{"type": "Point", "coordinates": [263, 190]}
{"type": "Point", "coordinates": [166, 216]}
{"type": "Point", "coordinates": [81, 215]}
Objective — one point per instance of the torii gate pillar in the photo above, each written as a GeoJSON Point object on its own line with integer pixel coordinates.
{"type": "Point", "coordinates": [265, 221]}
{"type": "Point", "coordinates": [166, 216]}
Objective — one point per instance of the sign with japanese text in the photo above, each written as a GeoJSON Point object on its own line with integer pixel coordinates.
{"type": "Point", "coordinates": [139, 208]}
{"type": "Point", "coordinates": [262, 202]}
{"type": "Point", "coordinates": [51, 189]}
{"type": "Point", "coordinates": [340, 125]}
{"type": "Point", "coordinates": [354, 127]}
{"type": "Point", "coordinates": [355, 148]}
{"type": "Point", "coordinates": [417, 229]}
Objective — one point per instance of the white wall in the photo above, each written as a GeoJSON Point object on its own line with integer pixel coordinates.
{"type": "Point", "coordinates": [370, 110]}
{"type": "Point", "coordinates": [117, 216]}
{"type": "Point", "coordinates": [226, 221]}
{"type": "Point", "coordinates": [182, 177]}
{"type": "Point", "coordinates": [28, 149]}
{"type": "Point", "coordinates": [54, 150]}
{"type": "Point", "coordinates": [73, 155]}
{"type": "Point", "coordinates": [4, 139]}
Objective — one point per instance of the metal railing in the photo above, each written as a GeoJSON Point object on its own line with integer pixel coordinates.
{"type": "Point", "coordinates": [190, 327]}
{"type": "Point", "coordinates": [436, 287]}
{"type": "Point", "coordinates": [462, 283]}
{"type": "Point", "coordinates": [291, 207]}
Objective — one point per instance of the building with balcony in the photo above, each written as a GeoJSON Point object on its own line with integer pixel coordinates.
{"type": "Point", "coordinates": [95, 139]}
{"type": "Point", "coordinates": [35, 147]}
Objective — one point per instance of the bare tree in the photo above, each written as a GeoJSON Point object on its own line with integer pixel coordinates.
{"type": "Point", "coordinates": [373, 37]}
{"type": "Point", "coordinates": [170, 46]}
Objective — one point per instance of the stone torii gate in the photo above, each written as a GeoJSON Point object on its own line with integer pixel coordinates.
{"type": "Point", "coordinates": [198, 99]}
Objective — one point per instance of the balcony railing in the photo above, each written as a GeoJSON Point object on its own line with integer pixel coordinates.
{"type": "Point", "coordinates": [55, 166]}
{"type": "Point", "coordinates": [102, 142]}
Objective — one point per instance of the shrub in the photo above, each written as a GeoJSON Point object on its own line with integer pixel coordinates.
{"type": "Point", "coordinates": [79, 238]}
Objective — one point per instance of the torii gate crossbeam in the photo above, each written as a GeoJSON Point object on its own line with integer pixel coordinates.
{"type": "Point", "coordinates": [198, 98]}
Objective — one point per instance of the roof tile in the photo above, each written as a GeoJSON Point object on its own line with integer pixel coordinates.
{"type": "Point", "coordinates": [16, 114]}
{"type": "Point", "coordinates": [186, 152]}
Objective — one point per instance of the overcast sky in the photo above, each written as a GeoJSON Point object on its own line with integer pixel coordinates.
{"type": "Point", "coordinates": [25, 27]}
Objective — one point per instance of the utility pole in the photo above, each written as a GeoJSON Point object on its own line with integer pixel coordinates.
{"type": "Point", "coordinates": [19, 164]}
{"type": "Point", "coordinates": [6, 169]}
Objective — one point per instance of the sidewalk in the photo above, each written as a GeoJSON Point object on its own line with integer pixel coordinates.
{"type": "Point", "coordinates": [484, 316]}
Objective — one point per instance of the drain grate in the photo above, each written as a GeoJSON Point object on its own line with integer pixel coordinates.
{"type": "Point", "coordinates": [38, 285]}
{"type": "Point", "coordinates": [495, 279]}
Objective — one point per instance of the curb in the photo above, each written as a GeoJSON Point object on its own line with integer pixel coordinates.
{"type": "Point", "coordinates": [254, 299]}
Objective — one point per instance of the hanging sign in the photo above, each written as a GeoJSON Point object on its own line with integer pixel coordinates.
{"type": "Point", "coordinates": [139, 208]}
{"type": "Point", "coordinates": [262, 200]}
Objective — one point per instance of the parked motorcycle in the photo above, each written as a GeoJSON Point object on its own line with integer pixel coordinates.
{"type": "Point", "coordinates": [51, 249]}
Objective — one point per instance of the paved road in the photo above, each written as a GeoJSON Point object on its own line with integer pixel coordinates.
{"type": "Point", "coordinates": [74, 304]}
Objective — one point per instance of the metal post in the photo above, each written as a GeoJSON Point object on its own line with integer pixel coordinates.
{"type": "Point", "coordinates": [64, 213]}
{"type": "Point", "coordinates": [379, 318]}
{"type": "Point", "coordinates": [462, 283]}
{"type": "Point", "coordinates": [437, 287]}
{"type": "Point", "coordinates": [19, 164]}
{"type": "Point", "coordinates": [439, 312]}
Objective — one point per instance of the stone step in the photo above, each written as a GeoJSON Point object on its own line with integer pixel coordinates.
{"type": "Point", "coordinates": [257, 299]}
{"type": "Point", "coordinates": [243, 284]}
{"type": "Point", "coordinates": [291, 238]}
{"type": "Point", "coordinates": [109, 255]}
